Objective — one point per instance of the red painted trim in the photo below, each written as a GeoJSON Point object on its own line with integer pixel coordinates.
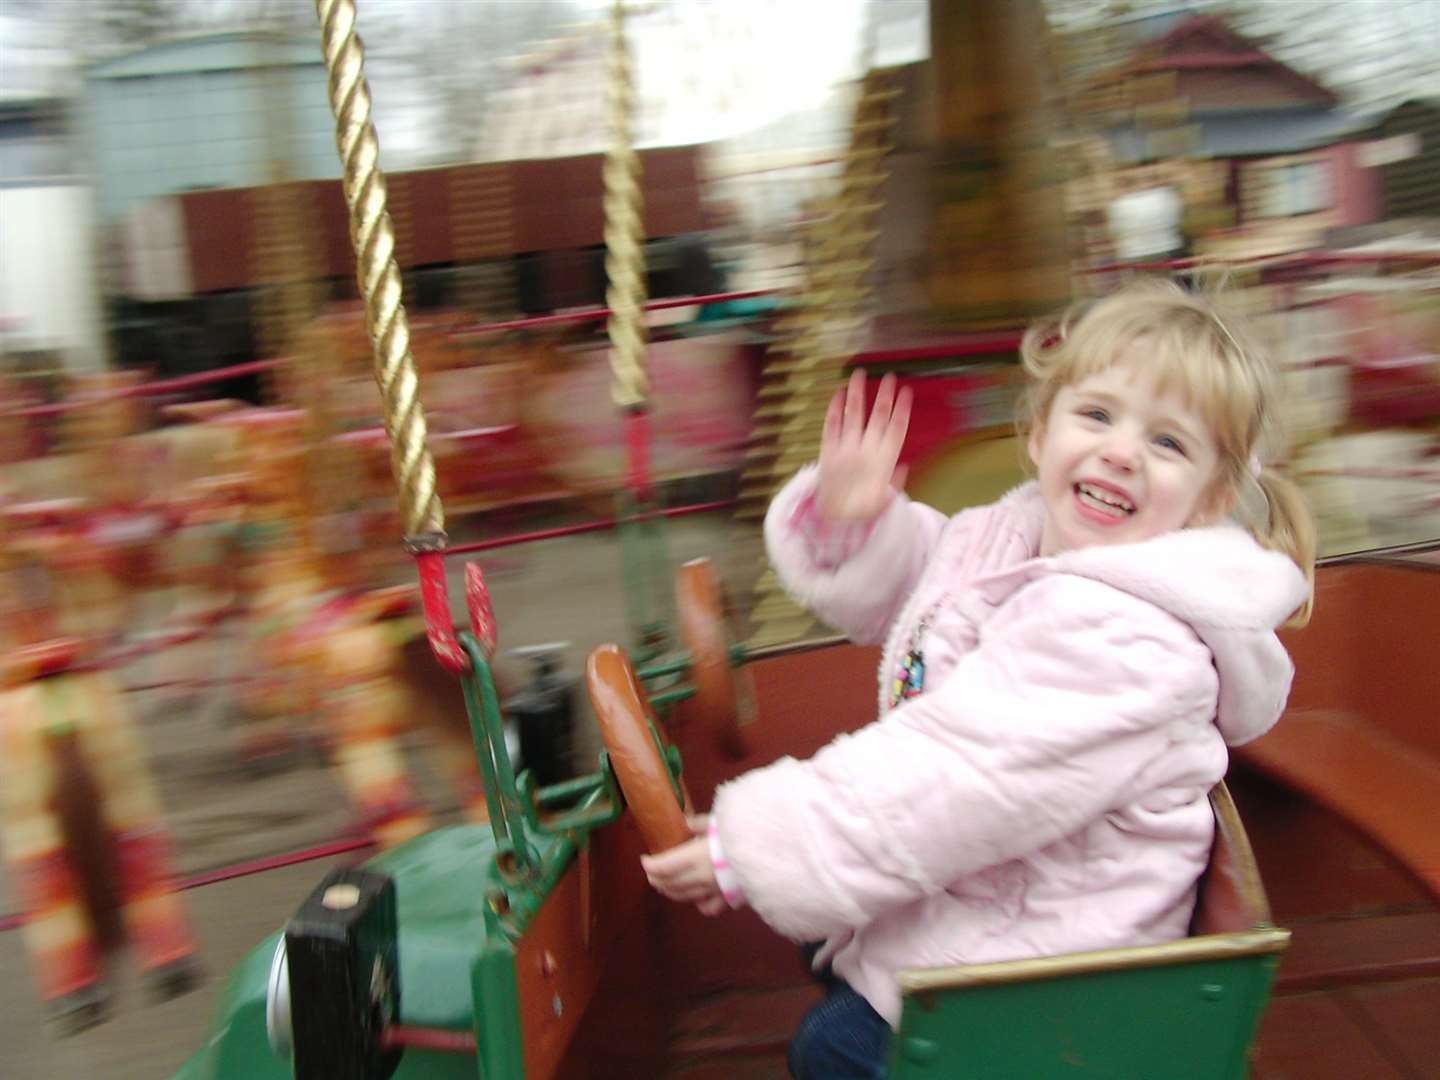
{"type": "Point", "coordinates": [586, 527]}
{"type": "Point", "coordinates": [15, 920]}
{"type": "Point", "coordinates": [811, 163]}
{"type": "Point", "coordinates": [1427, 473]}
{"type": "Point", "coordinates": [440, 1040]}
{"type": "Point", "coordinates": [1299, 260]}
{"type": "Point", "coordinates": [601, 314]}
{"type": "Point", "coordinates": [968, 345]}
{"type": "Point", "coordinates": [1202, 60]}
{"type": "Point", "coordinates": [276, 862]}
{"type": "Point", "coordinates": [637, 452]}
{"type": "Point", "coordinates": [435, 599]}
{"type": "Point", "coordinates": [162, 386]}
{"type": "Point", "coordinates": [1154, 265]}
{"type": "Point", "coordinates": [482, 611]}
{"type": "Point", "coordinates": [180, 635]}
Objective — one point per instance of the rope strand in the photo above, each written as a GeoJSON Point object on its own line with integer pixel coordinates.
{"type": "Point", "coordinates": [373, 238]}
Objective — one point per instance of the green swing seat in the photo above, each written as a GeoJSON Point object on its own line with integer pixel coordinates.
{"type": "Point", "coordinates": [1186, 1010]}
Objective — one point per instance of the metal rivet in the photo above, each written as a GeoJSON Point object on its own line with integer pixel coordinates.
{"type": "Point", "coordinates": [340, 897]}
{"type": "Point", "coordinates": [920, 1051]}
{"type": "Point", "coordinates": [1212, 991]}
{"type": "Point", "coordinates": [548, 964]}
{"type": "Point", "coordinates": [557, 1005]}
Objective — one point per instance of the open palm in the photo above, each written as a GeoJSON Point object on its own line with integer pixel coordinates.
{"type": "Point", "coordinates": [857, 458]}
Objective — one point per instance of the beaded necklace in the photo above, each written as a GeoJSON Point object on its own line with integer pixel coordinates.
{"type": "Point", "coordinates": [909, 680]}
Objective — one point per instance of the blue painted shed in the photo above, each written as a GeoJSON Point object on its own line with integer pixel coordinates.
{"type": "Point", "coordinates": [219, 110]}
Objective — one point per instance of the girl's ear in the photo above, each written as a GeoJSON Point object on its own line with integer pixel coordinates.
{"type": "Point", "coordinates": [1034, 442]}
{"type": "Point", "coordinates": [1217, 503]}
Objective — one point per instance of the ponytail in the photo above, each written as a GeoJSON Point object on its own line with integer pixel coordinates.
{"type": "Point", "coordinates": [1287, 527]}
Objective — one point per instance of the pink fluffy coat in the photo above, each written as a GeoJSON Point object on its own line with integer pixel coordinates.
{"type": "Point", "coordinates": [1047, 792]}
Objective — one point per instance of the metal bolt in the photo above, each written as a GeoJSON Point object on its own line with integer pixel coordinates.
{"type": "Point", "coordinates": [920, 1051]}
{"type": "Point", "coordinates": [548, 964]}
{"type": "Point", "coordinates": [341, 897]}
{"type": "Point", "coordinates": [1212, 991]}
{"type": "Point", "coordinates": [558, 1005]}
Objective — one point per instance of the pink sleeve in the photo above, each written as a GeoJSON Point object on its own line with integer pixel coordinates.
{"type": "Point", "coordinates": [724, 874]}
{"type": "Point", "coordinates": [853, 576]}
{"type": "Point", "coordinates": [831, 543]}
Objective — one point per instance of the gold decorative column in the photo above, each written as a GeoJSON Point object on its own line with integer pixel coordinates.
{"type": "Point", "coordinates": [998, 253]}
{"type": "Point", "coordinates": [823, 334]}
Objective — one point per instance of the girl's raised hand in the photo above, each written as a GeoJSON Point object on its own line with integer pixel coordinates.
{"type": "Point", "coordinates": [858, 476]}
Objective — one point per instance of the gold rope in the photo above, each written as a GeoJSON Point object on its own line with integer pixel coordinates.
{"type": "Point", "coordinates": [624, 230]}
{"type": "Point", "coordinates": [379, 276]}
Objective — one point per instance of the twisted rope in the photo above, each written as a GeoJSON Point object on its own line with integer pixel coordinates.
{"type": "Point", "coordinates": [624, 230]}
{"type": "Point", "coordinates": [373, 238]}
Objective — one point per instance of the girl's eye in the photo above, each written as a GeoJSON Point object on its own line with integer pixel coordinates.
{"type": "Point", "coordinates": [1094, 412]}
{"type": "Point", "coordinates": [1169, 442]}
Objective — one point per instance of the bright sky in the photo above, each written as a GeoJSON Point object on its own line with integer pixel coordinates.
{"type": "Point", "coordinates": [706, 69]}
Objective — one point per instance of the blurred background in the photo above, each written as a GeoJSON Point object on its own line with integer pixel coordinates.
{"type": "Point", "coordinates": [194, 477]}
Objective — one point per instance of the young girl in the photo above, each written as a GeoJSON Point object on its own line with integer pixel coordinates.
{"type": "Point", "coordinates": [1062, 672]}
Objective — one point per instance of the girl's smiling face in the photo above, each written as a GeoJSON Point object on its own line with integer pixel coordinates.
{"type": "Point", "coordinates": [1122, 460]}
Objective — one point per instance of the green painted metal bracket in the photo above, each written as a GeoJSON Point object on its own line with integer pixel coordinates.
{"type": "Point", "coordinates": [646, 567]}
{"type": "Point", "coordinates": [670, 674]}
{"type": "Point", "coordinates": [670, 697]}
{"type": "Point", "coordinates": [513, 813]}
{"type": "Point", "coordinates": [486, 730]}
{"type": "Point", "coordinates": [596, 798]}
{"type": "Point", "coordinates": [675, 765]}
{"type": "Point", "coordinates": [515, 803]}
{"type": "Point", "coordinates": [499, 1048]}
{"type": "Point", "coordinates": [677, 665]}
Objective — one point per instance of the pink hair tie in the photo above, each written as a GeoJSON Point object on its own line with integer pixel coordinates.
{"type": "Point", "coordinates": [1255, 466]}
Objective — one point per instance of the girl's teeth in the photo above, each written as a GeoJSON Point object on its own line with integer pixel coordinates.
{"type": "Point", "coordinates": [1091, 498]}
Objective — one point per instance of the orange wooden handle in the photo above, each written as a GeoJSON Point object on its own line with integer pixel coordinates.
{"type": "Point", "coordinates": [724, 700]}
{"type": "Point", "coordinates": [633, 740]}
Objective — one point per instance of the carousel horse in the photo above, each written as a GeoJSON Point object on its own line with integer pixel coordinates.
{"type": "Point", "coordinates": [331, 646]}
{"type": "Point", "coordinates": [83, 831]}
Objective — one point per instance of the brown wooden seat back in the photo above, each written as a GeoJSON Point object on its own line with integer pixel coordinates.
{"type": "Point", "coordinates": [1231, 897]}
{"type": "Point", "coordinates": [1368, 651]}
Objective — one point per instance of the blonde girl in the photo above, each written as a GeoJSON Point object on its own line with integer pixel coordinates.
{"type": "Point", "coordinates": [1062, 674]}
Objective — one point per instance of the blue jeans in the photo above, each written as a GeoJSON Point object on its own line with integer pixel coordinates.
{"type": "Point", "coordinates": [842, 1038]}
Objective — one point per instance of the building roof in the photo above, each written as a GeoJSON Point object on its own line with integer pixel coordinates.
{"type": "Point", "coordinates": [1189, 81]}
{"type": "Point", "coordinates": [1095, 48]}
{"type": "Point", "coordinates": [1422, 101]}
{"type": "Point", "coordinates": [24, 104]}
{"type": "Point", "coordinates": [1234, 134]}
{"type": "Point", "coordinates": [226, 51]}
{"type": "Point", "coordinates": [1210, 66]}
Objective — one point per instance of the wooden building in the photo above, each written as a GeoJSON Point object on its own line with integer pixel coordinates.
{"type": "Point", "coordinates": [212, 111]}
{"type": "Point", "coordinates": [1406, 153]}
{"type": "Point", "coordinates": [1275, 149]}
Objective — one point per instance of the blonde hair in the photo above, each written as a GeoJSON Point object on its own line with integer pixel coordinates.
{"type": "Point", "coordinates": [1213, 360]}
